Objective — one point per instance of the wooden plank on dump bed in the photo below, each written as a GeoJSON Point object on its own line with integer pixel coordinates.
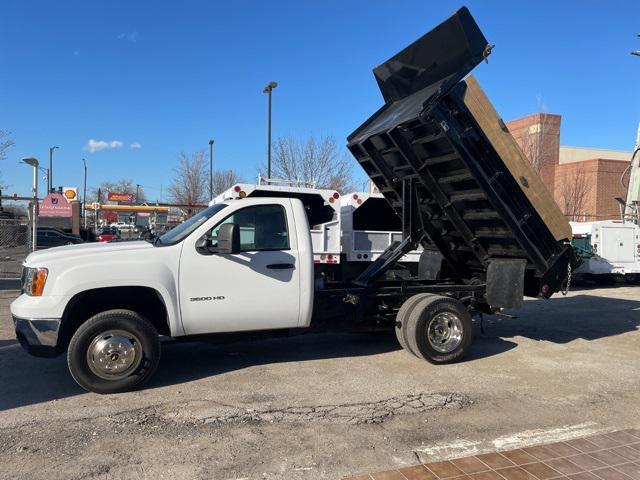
{"type": "Point", "coordinates": [515, 160]}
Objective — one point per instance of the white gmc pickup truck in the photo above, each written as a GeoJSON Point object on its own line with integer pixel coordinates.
{"type": "Point", "coordinates": [439, 155]}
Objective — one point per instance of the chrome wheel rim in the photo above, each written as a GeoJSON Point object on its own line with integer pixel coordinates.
{"type": "Point", "coordinates": [445, 332]}
{"type": "Point", "coordinates": [114, 354]}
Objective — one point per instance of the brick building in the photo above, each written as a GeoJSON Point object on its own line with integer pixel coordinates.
{"type": "Point", "coordinates": [584, 181]}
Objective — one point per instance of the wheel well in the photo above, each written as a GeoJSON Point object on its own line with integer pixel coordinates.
{"type": "Point", "coordinates": [143, 300]}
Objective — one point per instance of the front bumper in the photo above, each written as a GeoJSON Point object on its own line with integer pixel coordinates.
{"type": "Point", "coordinates": [38, 336]}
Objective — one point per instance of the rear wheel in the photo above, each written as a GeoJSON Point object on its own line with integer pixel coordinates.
{"type": "Point", "coordinates": [114, 351]}
{"type": "Point", "coordinates": [402, 318]}
{"type": "Point", "coordinates": [439, 330]}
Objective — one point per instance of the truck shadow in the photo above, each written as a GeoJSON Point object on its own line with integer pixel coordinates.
{"type": "Point", "coordinates": [183, 362]}
{"type": "Point", "coordinates": [565, 319]}
{"type": "Point", "coordinates": [26, 380]}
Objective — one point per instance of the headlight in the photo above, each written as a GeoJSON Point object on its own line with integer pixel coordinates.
{"type": "Point", "coordinates": [33, 280]}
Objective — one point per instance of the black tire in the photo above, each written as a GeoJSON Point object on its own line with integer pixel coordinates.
{"type": "Point", "coordinates": [402, 318]}
{"type": "Point", "coordinates": [440, 309]}
{"type": "Point", "coordinates": [145, 338]}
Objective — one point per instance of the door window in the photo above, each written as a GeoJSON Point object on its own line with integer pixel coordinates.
{"type": "Point", "coordinates": [262, 227]}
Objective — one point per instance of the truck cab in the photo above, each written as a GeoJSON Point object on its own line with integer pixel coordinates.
{"type": "Point", "coordinates": [235, 266]}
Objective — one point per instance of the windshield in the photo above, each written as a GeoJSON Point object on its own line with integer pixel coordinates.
{"type": "Point", "coordinates": [183, 230]}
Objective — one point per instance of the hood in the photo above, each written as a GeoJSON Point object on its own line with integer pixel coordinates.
{"type": "Point", "coordinates": [43, 257]}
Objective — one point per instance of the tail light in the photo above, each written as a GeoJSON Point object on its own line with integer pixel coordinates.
{"type": "Point", "coordinates": [545, 289]}
{"type": "Point", "coordinates": [355, 196]}
{"type": "Point", "coordinates": [237, 188]}
{"type": "Point", "coordinates": [595, 247]}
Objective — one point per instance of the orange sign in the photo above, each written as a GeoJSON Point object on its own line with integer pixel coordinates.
{"type": "Point", "coordinates": [120, 197]}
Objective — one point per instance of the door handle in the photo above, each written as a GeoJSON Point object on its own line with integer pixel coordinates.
{"type": "Point", "coordinates": [280, 266]}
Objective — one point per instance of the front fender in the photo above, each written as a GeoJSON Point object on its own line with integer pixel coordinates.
{"type": "Point", "coordinates": [155, 268]}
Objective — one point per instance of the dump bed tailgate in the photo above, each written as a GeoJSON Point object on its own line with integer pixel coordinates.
{"type": "Point", "coordinates": [478, 199]}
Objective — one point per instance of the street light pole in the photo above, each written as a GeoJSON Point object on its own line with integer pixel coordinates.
{"type": "Point", "coordinates": [210, 169]}
{"type": "Point", "coordinates": [84, 195]}
{"type": "Point", "coordinates": [34, 218]}
{"type": "Point", "coordinates": [50, 180]}
{"type": "Point", "coordinates": [268, 89]}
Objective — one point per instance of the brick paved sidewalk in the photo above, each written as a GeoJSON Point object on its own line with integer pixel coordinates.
{"type": "Point", "coordinates": [611, 456]}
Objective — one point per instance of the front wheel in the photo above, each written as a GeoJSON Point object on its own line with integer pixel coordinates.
{"type": "Point", "coordinates": [440, 330]}
{"type": "Point", "coordinates": [114, 351]}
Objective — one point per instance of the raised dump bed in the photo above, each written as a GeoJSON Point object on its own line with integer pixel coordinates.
{"type": "Point", "coordinates": [445, 161]}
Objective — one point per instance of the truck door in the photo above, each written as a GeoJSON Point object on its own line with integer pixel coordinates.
{"type": "Point", "coordinates": [256, 289]}
{"type": "Point", "coordinates": [617, 244]}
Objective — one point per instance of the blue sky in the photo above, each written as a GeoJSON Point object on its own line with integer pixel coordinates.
{"type": "Point", "coordinates": [170, 75]}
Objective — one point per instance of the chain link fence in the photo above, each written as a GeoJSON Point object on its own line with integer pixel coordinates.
{"type": "Point", "coordinates": [15, 245]}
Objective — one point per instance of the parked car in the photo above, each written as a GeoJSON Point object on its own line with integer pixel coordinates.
{"type": "Point", "coordinates": [52, 237]}
{"type": "Point", "coordinates": [108, 234]}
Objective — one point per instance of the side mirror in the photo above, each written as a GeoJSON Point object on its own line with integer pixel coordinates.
{"type": "Point", "coordinates": [229, 239]}
{"type": "Point", "coordinates": [203, 245]}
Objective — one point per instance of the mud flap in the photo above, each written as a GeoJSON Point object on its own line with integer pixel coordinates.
{"type": "Point", "coordinates": [505, 283]}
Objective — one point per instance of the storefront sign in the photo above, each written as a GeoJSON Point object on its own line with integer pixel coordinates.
{"type": "Point", "coordinates": [55, 205]}
{"type": "Point", "coordinates": [120, 197]}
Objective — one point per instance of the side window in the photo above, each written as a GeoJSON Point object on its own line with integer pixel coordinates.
{"type": "Point", "coordinates": [262, 227]}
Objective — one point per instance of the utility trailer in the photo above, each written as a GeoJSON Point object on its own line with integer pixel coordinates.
{"type": "Point", "coordinates": [321, 205]}
{"type": "Point", "coordinates": [442, 158]}
{"type": "Point", "coordinates": [369, 226]}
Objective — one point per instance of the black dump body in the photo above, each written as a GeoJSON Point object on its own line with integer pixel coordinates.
{"type": "Point", "coordinates": [431, 160]}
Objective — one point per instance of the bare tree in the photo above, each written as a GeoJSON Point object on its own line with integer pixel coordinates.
{"type": "Point", "coordinates": [312, 161]}
{"type": "Point", "coordinates": [190, 184]}
{"type": "Point", "coordinates": [5, 143]}
{"type": "Point", "coordinates": [573, 193]}
{"type": "Point", "coordinates": [224, 179]}
{"type": "Point", "coordinates": [16, 209]}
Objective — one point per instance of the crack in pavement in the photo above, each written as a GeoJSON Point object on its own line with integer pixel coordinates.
{"type": "Point", "coordinates": [352, 413]}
